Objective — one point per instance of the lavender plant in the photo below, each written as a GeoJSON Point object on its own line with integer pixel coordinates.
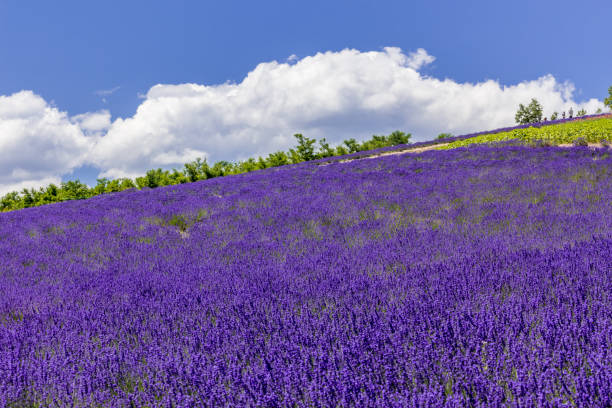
{"type": "Point", "coordinates": [478, 277]}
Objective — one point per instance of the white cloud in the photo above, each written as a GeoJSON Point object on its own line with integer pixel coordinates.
{"type": "Point", "coordinates": [93, 123]}
{"type": "Point", "coordinates": [336, 95]}
{"type": "Point", "coordinates": [38, 143]}
{"type": "Point", "coordinates": [20, 185]}
{"type": "Point", "coordinates": [173, 157]}
{"type": "Point", "coordinates": [417, 60]}
{"type": "Point", "coordinates": [107, 92]}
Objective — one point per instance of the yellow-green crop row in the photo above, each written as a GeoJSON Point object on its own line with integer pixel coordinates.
{"type": "Point", "coordinates": [592, 131]}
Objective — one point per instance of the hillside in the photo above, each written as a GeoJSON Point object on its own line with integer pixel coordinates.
{"type": "Point", "coordinates": [591, 129]}
{"type": "Point", "coordinates": [476, 276]}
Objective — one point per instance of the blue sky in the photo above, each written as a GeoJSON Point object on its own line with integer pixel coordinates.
{"type": "Point", "coordinates": [83, 57]}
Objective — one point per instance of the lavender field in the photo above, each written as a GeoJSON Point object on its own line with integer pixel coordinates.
{"type": "Point", "coordinates": [474, 277]}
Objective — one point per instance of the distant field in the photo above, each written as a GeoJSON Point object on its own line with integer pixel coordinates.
{"type": "Point", "coordinates": [469, 277]}
{"type": "Point", "coordinates": [589, 131]}
{"type": "Point", "coordinates": [592, 129]}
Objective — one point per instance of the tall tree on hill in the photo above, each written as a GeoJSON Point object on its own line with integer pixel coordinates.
{"type": "Point", "coordinates": [326, 150]}
{"type": "Point", "coordinates": [305, 147]}
{"type": "Point", "coordinates": [398, 137]}
{"type": "Point", "coordinates": [608, 100]}
{"type": "Point", "coordinates": [352, 145]}
{"type": "Point", "coordinates": [531, 113]}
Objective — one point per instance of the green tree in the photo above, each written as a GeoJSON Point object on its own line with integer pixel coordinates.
{"type": "Point", "coordinates": [398, 138]}
{"type": "Point", "coordinates": [444, 136]}
{"type": "Point", "coordinates": [262, 163]}
{"type": "Point", "coordinates": [325, 150]}
{"type": "Point", "coordinates": [608, 100]}
{"type": "Point", "coordinates": [554, 116]}
{"type": "Point", "coordinates": [153, 179]}
{"type": "Point", "coordinates": [74, 190]}
{"type": "Point", "coordinates": [352, 145]}
{"type": "Point", "coordinates": [247, 165]}
{"type": "Point", "coordinates": [49, 194]}
{"type": "Point", "coordinates": [531, 113]}
{"type": "Point", "coordinates": [375, 143]}
{"type": "Point", "coordinates": [581, 112]}
{"type": "Point", "coordinates": [305, 147]}
{"type": "Point", "coordinates": [196, 170]}
{"type": "Point", "coordinates": [294, 156]}
{"type": "Point", "coordinates": [177, 177]}
{"type": "Point", "coordinates": [221, 168]}
{"type": "Point", "coordinates": [113, 186]}
{"type": "Point", "coordinates": [279, 158]}
{"type": "Point", "coordinates": [101, 186]}
{"type": "Point", "coordinates": [10, 201]}
{"type": "Point", "coordinates": [341, 150]}
{"type": "Point", "coordinates": [27, 200]}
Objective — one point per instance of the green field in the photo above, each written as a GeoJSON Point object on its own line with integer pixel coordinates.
{"type": "Point", "coordinates": [589, 131]}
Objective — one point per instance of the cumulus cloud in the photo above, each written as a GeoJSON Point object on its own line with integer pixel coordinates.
{"type": "Point", "coordinates": [38, 143]}
{"type": "Point", "coordinates": [93, 123]}
{"type": "Point", "coordinates": [336, 95]}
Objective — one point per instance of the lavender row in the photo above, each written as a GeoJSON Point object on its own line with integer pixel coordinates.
{"type": "Point", "coordinates": [473, 277]}
{"type": "Point", "coordinates": [451, 139]}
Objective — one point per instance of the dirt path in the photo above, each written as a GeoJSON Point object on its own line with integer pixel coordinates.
{"type": "Point", "coordinates": [413, 150]}
{"type": "Point", "coordinates": [402, 151]}
{"type": "Point", "coordinates": [430, 147]}
{"type": "Point", "coordinates": [591, 145]}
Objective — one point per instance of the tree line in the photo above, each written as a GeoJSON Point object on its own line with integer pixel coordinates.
{"type": "Point", "coordinates": [532, 113]}
{"type": "Point", "coordinates": [307, 149]}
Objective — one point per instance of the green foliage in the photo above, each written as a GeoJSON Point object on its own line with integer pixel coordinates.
{"type": "Point", "coordinates": [153, 179]}
{"type": "Point", "coordinates": [581, 112]}
{"type": "Point", "coordinates": [246, 166]}
{"type": "Point", "coordinates": [397, 138]}
{"type": "Point", "coordinates": [325, 150]}
{"type": "Point", "coordinates": [444, 136]}
{"type": "Point", "coordinates": [105, 185]}
{"type": "Point", "coordinates": [10, 201]}
{"type": "Point", "coordinates": [73, 190]}
{"type": "Point", "coordinates": [352, 145]}
{"type": "Point", "coordinates": [608, 100]}
{"type": "Point", "coordinates": [196, 170]}
{"type": "Point", "coordinates": [554, 116]}
{"type": "Point", "coordinates": [531, 113]}
{"type": "Point", "coordinates": [592, 131]}
{"type": "Point", "coordinates": [179, 221]}
{"type": "Point", "coordinates": [341, 150]}
{"type": "Point", "coordinates": [277, 159]}
{"type": "Point", "coordinates": [305, 147]}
